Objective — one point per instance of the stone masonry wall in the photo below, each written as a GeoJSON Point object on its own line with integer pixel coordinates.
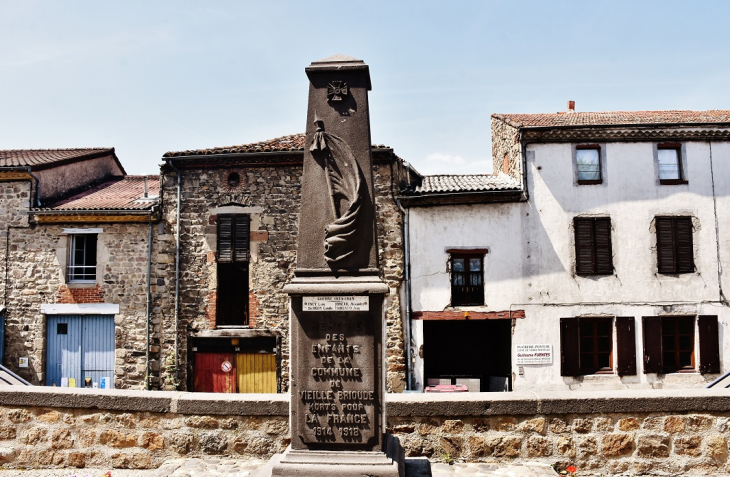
{"type": "Point", "coordinates": [14, 203]}
{"type": "Point", "coordinates": [653, 432]}
{"type": "Point", "coordinates": [506, 145]}
{"type": "Point", "coordinates": [36, 276]}
{"type": "Point", "coordinates": [272, 196]}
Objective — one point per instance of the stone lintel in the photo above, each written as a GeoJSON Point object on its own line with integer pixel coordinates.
{"type": "Point", "coordinates": [328, 285]}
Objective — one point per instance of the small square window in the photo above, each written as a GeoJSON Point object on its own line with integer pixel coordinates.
{"type": "Point", "coordinates": [82, 258]}
{"type": "Point", "coordinates": [588, 164]}
{"type": "Point", "coordinates": [669, 163]}
{"type": "Point", "coordinates": [61, 328]}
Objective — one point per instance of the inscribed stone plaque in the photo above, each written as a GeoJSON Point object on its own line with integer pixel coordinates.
{"type": "Point", "coordinates": [336, 399]}
{"type": "Point", "coordinates": [335, 303]}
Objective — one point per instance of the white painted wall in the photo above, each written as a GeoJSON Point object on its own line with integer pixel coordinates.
{"type": "Point", "coordinates": [531, 261]}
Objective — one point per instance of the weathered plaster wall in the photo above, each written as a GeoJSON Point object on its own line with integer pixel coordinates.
{"type": "Point", "coordinates": [37, 275]}
{"type": "Point", "coordinates": [531, 259]}
{"type": "Point", "coordinates": [59, 180]}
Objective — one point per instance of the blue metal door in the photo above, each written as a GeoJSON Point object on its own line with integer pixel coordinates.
{"type": "Point", "coordinates": [79, 346]}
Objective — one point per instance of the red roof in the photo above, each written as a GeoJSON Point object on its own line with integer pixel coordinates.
{"type": "Point", "coordinates": [41, 157]}
{"type": "Point", "coordinates": [293, 142]}
{"type": "Point", "coordinates": [126, 193]}
{"type": "Point", "coordinates": [615, 118]}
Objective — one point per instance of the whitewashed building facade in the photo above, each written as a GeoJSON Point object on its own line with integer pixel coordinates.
{"type": "Point", "coordinates": [605, 236]}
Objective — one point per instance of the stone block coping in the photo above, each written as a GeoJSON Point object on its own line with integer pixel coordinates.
{"type": "Point", "coordinates": [397, 405]}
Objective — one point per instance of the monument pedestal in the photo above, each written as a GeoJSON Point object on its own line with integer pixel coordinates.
{"type": "Point", "coordinates": [337, 382]}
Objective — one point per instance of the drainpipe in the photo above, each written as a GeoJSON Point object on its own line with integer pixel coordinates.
{"type": "Point", "coordinates": [149, 295]}
{"type": "Point", "coordinates": [177, 267]}
{"type": "Point", "coordinates": [407, 258]}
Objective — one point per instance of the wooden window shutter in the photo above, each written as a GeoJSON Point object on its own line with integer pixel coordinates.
{"type": "Point", "coordinates": [709, 344]}
{"type": "Point", "coordinates": [604, 259]}
{"type": "Point", "coordinates": [240, 238]}
{"type": "Point", "coordinates": [225, 238]}
{"type": "Point", "coordinates": [652, 331]}
{"type": "Point", "coordinates": [584, 256]}
{"type": "Point", "coordinates": [569, 347]}
{"type": "Point", "coordinates": [626, 345]}
{"type": "Point", "coordinates": [665, 245]}
{"type": "Point", "coordinates": [685, 261]}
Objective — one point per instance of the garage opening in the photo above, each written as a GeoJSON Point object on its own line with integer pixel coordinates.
{"type": "Point", "coordinates": [473, 353]}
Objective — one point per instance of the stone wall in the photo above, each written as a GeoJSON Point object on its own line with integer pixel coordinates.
{"type": "Point", "coordinates": [37, 276]}
{"type": "Point", "coordinates": [506, 147]}
{"type": "Point", "coordinates": [14, 202]}
{"type": "Point", "coordinates": [628, 432]}
{"type": "Point", "coordinates": [271, 195]}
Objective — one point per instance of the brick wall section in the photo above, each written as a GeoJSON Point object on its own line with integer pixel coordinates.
{"type": "Point", "coordinates": [274, 192]}
{"type": "Point", "coordinates": [93, 294]}
{"type": "Point", "coordinates": [36, 276]}
{"type": "Point", "coordinates": [506, 145]}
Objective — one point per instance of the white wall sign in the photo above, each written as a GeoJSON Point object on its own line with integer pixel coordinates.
{"type": "Point", "coordinates": [335, 303]}
{"type": "Point", "coordinates": [534, 354]}
{"type": "Point", "coordinates": [23, 362]}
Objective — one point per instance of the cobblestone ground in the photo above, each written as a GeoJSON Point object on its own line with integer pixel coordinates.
{"type": "Point", "coordinates": [243, 468]}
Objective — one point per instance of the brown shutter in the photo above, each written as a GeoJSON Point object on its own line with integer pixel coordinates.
{"type": "Point", "coordinates": [665, 245]}
{"type": "Point", "coordinates": [604, 259]}
{"type": "Point", "coordinates": [569, 347]}
{"type": "Point", "coordinates": [709, 344]}
{"type": "Point", "coordinates": [584, 258]}
{"type": "Point", "coordinates": [626, 345]}
{"type": "Point", "coordinates": [240, 238]}
{"type": "Point", "coordinates": [652, 331]}
{"type": "Point", "coordinates": [685, 262]}
{"type": "Point", "coordinates": [225, 238]}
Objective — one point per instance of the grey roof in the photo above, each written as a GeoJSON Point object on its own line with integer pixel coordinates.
{"type": "Point", "coordinates": [448, 183]}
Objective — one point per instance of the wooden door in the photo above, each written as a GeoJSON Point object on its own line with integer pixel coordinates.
{"type": "Point", "coordinates": [256, 372]}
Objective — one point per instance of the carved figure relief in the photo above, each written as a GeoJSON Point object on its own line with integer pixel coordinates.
{"type": "Point", "coordinates": [346, 187]}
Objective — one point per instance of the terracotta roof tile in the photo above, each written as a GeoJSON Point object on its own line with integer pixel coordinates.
{"type": "Point", "coordinates": [293, 142]}
{"type": "Point", "coordinates": [466, 183]}
{"type": "Point", "coordinates": [37, 157]}
{"type": "Point", "coordinates": [615, 118]}
{"type": "Point", "coordinates": [124, 193]}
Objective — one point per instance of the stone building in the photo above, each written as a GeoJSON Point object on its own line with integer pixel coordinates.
{"type": "Point", "coordinates": [75, 238]}
{"type": "Point", "coordinates": [602, 238]}
{"type": "Point", "coordinates": [238, 211]}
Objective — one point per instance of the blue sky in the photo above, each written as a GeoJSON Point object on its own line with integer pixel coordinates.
{"type": "Point", "coordinates": [149, 77]}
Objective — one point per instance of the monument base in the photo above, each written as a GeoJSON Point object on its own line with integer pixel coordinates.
{"type": "Point", "coordinates": [337, 463]}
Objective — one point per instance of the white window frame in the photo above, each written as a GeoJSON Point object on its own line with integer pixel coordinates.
{"type": "Point", "coordinates": [71, 268]}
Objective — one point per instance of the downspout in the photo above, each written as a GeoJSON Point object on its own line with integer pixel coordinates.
{"type": "Point", "coordinates": [177, 268]}
{"type": "Point", "coordinates": [149, 298]}
{"type": "Point", "coordinates": [406, 253]}
{"type": "Point", "coordinates": [37, 187]}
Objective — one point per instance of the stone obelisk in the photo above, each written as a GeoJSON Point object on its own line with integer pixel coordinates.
{"type": "Point", "coordinates": [337, 383]}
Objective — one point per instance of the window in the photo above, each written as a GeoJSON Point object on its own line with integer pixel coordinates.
{"type": "Point", "coordinates": [586, 346]}
{"type": "Point", "coordinates": [593, 246]}
{"type": "Point", "coordinates": [669, 162]}
{"type": "Point", "coordinates": [669, 344]}
{"type": "Point", "coordinates": [588, 163]}
{"type": "Point", "coordinates": [467, 279]}
{"type": "Point", "coordinates": [82, 258]}
{"type": "Point", "coordinates": [233, 257]}
{"type": "Point", "coordinates": [674, 245]}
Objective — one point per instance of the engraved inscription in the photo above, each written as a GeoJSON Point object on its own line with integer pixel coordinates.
{"type": "Point", "coordinates": [337, 400]}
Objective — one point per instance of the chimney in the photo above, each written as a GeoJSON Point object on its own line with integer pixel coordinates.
{"type": "Point", "coordinates": [145, 187]}
{"type": "Point", "coordinates": [571, 106]}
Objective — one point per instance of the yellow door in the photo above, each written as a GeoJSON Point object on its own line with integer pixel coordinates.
{"type": "Point", "coordinates": [256, 373]}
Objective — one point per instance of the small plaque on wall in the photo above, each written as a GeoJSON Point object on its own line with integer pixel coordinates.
{"type": "Point", "coordinates": [336, 303]}
{"type": "Point", "coordinates": [534, 354]}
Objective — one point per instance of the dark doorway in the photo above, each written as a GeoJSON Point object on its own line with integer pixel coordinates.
{"type": "Point", "coordinates": [463, 351]}
{"type": "Point", "coordinates": [232, 306]}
